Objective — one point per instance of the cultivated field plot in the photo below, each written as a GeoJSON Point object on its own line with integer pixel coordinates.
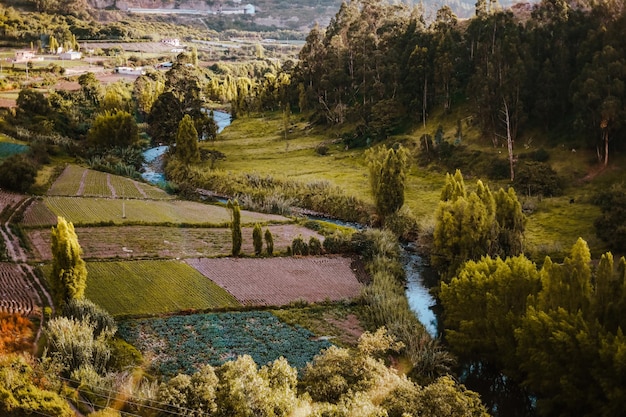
{"type": "Point", "coordinates": [16, 293]}
{"type": "Point", "coordinates": [79, 181]}
{"type": "Point", "coordinates": [162, 242]}
{"type": "Point", "coordinates": [280, 281]}
{"type": "Point", "coordinates": [182, 344]}
{"type": "Point", "coordinates": [8, 199]}
{"type": "Point", "coordinates": [90, 211]}
{"type": "Point", "coordinates": [151, 287]}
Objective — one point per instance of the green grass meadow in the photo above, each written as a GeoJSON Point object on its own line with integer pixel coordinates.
{"type": "Point", "coordinates": [135, 288]}
{"type": "Point", "coordinates": [257, 145]}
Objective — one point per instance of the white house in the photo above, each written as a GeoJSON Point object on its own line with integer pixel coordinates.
{"type": "Point", "coordinates": [71, 55]}
{"type": "Point", "coordinates": [130, 70]}
{"type": "Point", "coordinates": [249, 9]}
{"type": "Point", "coordinates": [24, 56]}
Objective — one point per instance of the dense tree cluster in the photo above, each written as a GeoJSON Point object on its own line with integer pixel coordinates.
{"type": "Point", "coordinates": [557, 329]}
{"type": "Point", "coordinates": [470, 225]}
{"type": "Point", "coordinates": [379, 64]}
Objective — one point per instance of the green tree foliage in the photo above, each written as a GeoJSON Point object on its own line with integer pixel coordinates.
{"type": "Point", "coordinates": [117, 97]}
{"type": "Point", "coordinates": [473, 224]}
{"type": "Point", "coordinates": [611, 225]}
{"type": "Point", "coordinates": [22, 392]}
{"type": "Point", "coordinates": [387, 169]}
{"type": "Point", "coordinates": [69, 272]}
{"type": "Point", "coordinates": [235, 226]}
{"type": "Point", "coordinates": [552, 329]}
{"type": "Point", "coordinates": [113, 129]}
{"type": "Point", "coordinates": [191, 395]}
{"type": "Point", "coordinates": [483, 306]}
{"type": "Point", "coordinates": [187, 141]}
{"type": "Point", "coordinates": [269, 242]}
{"type": "Point", "coordinates": [257, 239]}
{"type": "Point", "coordinates": [245, 391]}
{"type": "Point", "coordinates": [87, 311]}
{"type": "Point", "coordinates": [146, 90]}
{"type": "Point", "coordinates": [18, 173]}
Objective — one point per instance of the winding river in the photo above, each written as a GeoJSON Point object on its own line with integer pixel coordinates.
{"type": "Point", "coordinates": [153, 169]}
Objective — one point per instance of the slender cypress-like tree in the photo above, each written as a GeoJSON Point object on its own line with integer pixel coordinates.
{"type": "Point", "coordinates": [257, 239]}
{"type": "Point", "coordinates": [269, 242]}
{"type": "Point", "coordinates": [235, 226]}
{"type": "Point", "coordinates": [387, 177]}
{"type": "Point", "coordinates": [69, 272]}
{"type": "Point", "coordinates": [187, 141]}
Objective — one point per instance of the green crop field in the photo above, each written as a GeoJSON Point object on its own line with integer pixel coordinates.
{"type": "Point", "coordinates": [151, 287]}
{"type": "Point", "coordinates": [182, 344]}
{"type": "Point", "coordinates": [79, 181]}
{"type": "Point", "coordinates": [89, 211]}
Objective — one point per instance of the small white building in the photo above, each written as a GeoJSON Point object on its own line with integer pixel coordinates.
{"type": "Point", "coordinates": [21, 56]}
{"type": "Point", "coordinates": [71, 55]}
{"type": "Point", "coordinates": [130, 70]}
{"type": "Point", "coordinates": [249, 9]}
{"type": "Point", "coordinates": [171, 41]}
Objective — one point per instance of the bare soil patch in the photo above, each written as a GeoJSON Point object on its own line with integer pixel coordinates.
{"type": "Point", "coordinates": [132, 242]}
{"type": "Point", "coordinates": [280, 281]}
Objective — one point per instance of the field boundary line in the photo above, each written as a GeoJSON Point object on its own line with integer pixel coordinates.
{"type": "Point", "coordinates": [81, 187]}
{"type": "Point", "coordinates": [111, 187]}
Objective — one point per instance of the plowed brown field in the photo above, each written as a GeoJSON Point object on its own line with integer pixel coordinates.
{"type": "Point", "coordinates": [280, 281]}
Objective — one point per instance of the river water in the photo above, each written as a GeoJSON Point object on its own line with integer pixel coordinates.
{"type": "Point", "coordinates": [153, 170]}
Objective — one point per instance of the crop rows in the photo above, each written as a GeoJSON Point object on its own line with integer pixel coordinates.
{"type": "Point", "coordinates": [80, 210]}
{"type": "Point", "coordinates": [16, 293]}
{"type": "Point", "coordinates": [182, 344]}
{"type": "Point", "coordinates": [152, 287]}
{"type": "Point", "coordinates": [68, 183]}
{"type": "Point", "coordinates": [79, 181]}
{"type": "Point", "coordinates": [8, 199]}
{"type": "Point", "coordinates": [38, 214]}
{"type": "Point", "coordinates": [140, 242]}
{"type": "Point", "coordinates": [280, 281]}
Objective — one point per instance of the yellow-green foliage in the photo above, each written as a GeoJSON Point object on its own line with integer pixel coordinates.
{"type": "Point", "coordinates": [68, 278]}
{"type": "Point", "coordinates": [19, 395]}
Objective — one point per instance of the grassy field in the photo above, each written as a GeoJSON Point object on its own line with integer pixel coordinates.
{"type": "Point", "coordinates": [151, 287]}
{"type": "Point", "coordinates": [90, 211]}
{"type": "Point", "coordinates": [257, 144]}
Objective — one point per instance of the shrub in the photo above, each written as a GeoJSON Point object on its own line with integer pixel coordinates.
{"type": "Point", "coordinates": [315, 246]}
{"type": "Point", "coordinates": [537, 178]}
{"type": "Point", "coordinates": [18, 173]}
{"type": "Point", "coordinates": [299, 246]}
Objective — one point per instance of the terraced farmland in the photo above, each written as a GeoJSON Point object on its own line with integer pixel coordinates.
{"type": "Point", "coordinates": [280, 281]}
{"type": "Point", "coordinates": [89, 211]}
{"type": "Point", "coordinates": [128, 242]}
{"type": "Point", "coordinates": [152, 287]}
{"type": "Point", "coordinates": [78, 181]}
{"type": "Point", "coordinates": [16, 293]}
{"type": "Point", "coordinates": [185, 343]}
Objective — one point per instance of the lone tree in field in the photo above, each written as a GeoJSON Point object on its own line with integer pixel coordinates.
{"type": "Point", "coordinates": [387, 177]}
{"type": "Point", "coordinates": [235, 226]}
{"type": "Point", "coordinates": [187, 141]}
{"type": "Point", "coordinates": [257, 239]}
{"type": "Point", "coordinates": [269, 242]}
{"type": "Point", "coordinates": [69, 273]}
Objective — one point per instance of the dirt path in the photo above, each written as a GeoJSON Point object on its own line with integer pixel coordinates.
{"type": "Point", "coordinates": [81, 187]}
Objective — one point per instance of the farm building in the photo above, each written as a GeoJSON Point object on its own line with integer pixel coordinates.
{"type": "Point", "coordinates": [24, 56]}
{"type": "Point", "coordinates": [130, 70]}
{"type": "Point", "coordinates": [71, 55]}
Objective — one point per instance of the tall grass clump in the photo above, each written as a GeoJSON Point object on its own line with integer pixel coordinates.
{"type": "Point", "coordinates": [272, 194]}
{"type": "Point", "coordinates": [387, 306]}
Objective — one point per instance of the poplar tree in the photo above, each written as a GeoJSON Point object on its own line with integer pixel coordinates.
{"type": "Point", "coordinates": [387, 169]}
{"type": "Point", "coordinates": [69, 272]}
{"type": "Point", "coordinates": [269, 242]}
{"type": "Point", "coordinates": [257, 239]}
{"type": "Point", "coordinates": [235, 226]}
{"type": "Point", "coordinates": [187, 141]}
